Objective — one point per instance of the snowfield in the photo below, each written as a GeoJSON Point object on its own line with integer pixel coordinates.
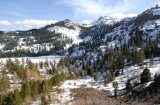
{"type": "Point", "coordinates": [74, 34]}
{"type": "Point", "coordinates": [105, 20]}
{"type": "Point", "coordinates": [36, 59]}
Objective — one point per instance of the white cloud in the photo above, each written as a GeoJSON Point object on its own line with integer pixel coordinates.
{"type": "Point", "coordinates": [121, 15]}
{"type": "Point", "coordinates": [96, 8]}
{"type": "Point", "coordinates": [5, 23]}
{"type": "Point", "coordinates": [2, 29]}
{"type": "Point", "coordinates": [34, 23]}
{"type": "Point", "coordinates": [26, 24]}
{"type": "Point", "coordinates": [125, 0]}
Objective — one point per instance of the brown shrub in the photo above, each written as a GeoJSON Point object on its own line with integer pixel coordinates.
{"type": "Point", "coordinates": [59, 91]}
{"type": "Point", "coordinates": [59, 84]}
{"type": "Point", "coordinates": [28, 100]}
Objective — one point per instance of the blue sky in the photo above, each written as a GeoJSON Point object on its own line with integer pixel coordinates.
{"type": "Point", "coordinates": [27, 14]}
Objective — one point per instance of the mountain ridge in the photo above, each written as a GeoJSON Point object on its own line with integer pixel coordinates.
{"type": "Point", "coordinates": [106, 29]}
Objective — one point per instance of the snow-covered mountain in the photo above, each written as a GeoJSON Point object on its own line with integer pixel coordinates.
{"type": "Point", "coordinates": [72, 33]}
{"type": "Point", "coordinates": [103, 52]}
{"type": "Point", "coordinates": [104, 20]}
{"type": "Point", "coordinates": [63, 34]}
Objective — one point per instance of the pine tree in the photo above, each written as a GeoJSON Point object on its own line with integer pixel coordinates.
{"type": "Point", "coordinates": [4, 81]}
{"type": "Point", "coordinates": [157, 79]}
{"type": "Point", "coordinates": [35, 88]}
{"type": "Point", "coordinates": [45, 87]}
{"type": "Point", "coordinates": [41, 65]}
{"type": "Point", "coordinates": [23, 90]}
{"type": "Point", "coordinates": [136, 99]}
{"type": "Point", "coordinates": [9, 99]}
{"type": "Point", "coordinates": [92, 71]}
{"type": "Point", "coordinates": [83, 65]}
{"type": "Point", "coordinates": [27, 89]}
{"type": "Point", "coordinates": [105, 82]}
{"type": "Point", "coordinates": [88, 69]}
{"type": "Point", "coordinates": [15, 80]}
{"type": "Point", "coordinates": [95, 66]}
{"type": "Point", "coordinates": [113, 76]}
{"type": "Point", "coordinates": [129, 87]}
{"type": "Point", "coordinates": [145, 76]}
{"type": "Point", "coordinates": [157, 6]}
{"type": "Point", "coordinates": [96, 77]}
{"type": "Point", "coordinates": [17, 98]}
{"type": "Point", "coordinates": [1, 99]}
{"type": "Point", "coordinates": [147, 96]}
{"type": "Point", "coordinates": [44, 101]}
{"type": "Point", "coordinates": [17, 61]}
{"type": "Point", "coordinates": [141, 56]}
{"type": "Point", "coordinates": [134, 55]}
{"type": "Point", "coordinates": [115, 85]}
{"type": "Point", "coordinates": [151, 63]}
{"type": "Point", "coordinates": [120, 60]}
{"type": "Point", "coordinates": [22, 62]}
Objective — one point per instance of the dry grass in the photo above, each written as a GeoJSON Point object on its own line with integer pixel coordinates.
{"type": "Point", "coordinates": [28, 100]}
{"type": "Point", "coordinates": [90, 96]}
{"type": "Point", "coordinates": [59, 91]}
{"type": "Point", "coordinates": [54, 98]}
{"type": "Point", "coordinates": [60, 84]}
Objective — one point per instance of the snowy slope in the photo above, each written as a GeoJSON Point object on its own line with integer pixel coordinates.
{"type": "Point", "coordinates": [74, 34]}
{"type": "Point", "coordinates": [132, 73]}
{"type": "Point", "coordinates": [153, 11]}
{"type": "Point", "coordinates": [35, 59]}
{"type": "Point", "coordinates": [103, 20]}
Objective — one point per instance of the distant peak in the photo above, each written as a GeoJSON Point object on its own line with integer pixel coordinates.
{"type": "Point", "coordinates": [105, 17]}
{"type": "Point", "coordinates": [104, 20]}
{"type": "Point", "coordinates": [68, 21]}
{"type": "Point", "coordinates": [154, 11]}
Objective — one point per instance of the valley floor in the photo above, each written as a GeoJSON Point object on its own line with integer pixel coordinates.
{"type": "Point", "coordinates": [78, 91]}
{"type": "Point", "coordinates": [87, 91]}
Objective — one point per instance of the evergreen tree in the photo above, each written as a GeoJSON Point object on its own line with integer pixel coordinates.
{"type": "Point", "coordinates": [88, 69]}
{"type": "Point", "coordinates": [157, 6]}
{"type": "Point", "coordinates": [136, 99]}
{"type": "Point", "coordinates": [147, 96]}
{"type": "Point", "coordinates": [35, 88]}
{"type": "Point", "coordinates": [83, 65]}
{"type": "Point", "coordinates": [120, 60]}
{"type": "Point", "coordinates": [22, 62]}
{"type": "Point", "coordinates": [115, 85]}
{"type": "Point", "coordinates": [96, 77]}
{"type": "Point", "coordinates": [105, 82]}
{"type": "Point", "coordinates": [157, 79]}
{"type": "Point", "coordinates": [9, 99]}
{"type": "Point", "coordinates": [141, 56]}
{"type": "Point", "coordinates": [151, 63]}
{"type": "Point", "coordinates": [17, 98]}
{"type": "Point", "coordinates": [92, 71]}
{"type": "Point", "coordinates": [27, 89]}
{"type": "Point", "coordinates": [1, 99]}
{"type": "Point", "coordinates": [4, 81]}
{"type": "Point", "coordinates": [23, 90]}
{"type": "Point", "coordinates": [145, 76]}
{"type": "Point", "coordinates": [46, 87]}
{"type": "Point", "coordinates": [113, 76]}
{"type": "Point", "coordinates": [44, 101]}
{"type": "Point", "coordinates": [134, 55]}
{"type": "Point", "coordinates": [95, 66]}
{"type": "Point", "coordinates": [129, 87]}
{"type": "Point", "coordinates": [15, 80]}
{"type": "Point", "coordinates": [41, 65]}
